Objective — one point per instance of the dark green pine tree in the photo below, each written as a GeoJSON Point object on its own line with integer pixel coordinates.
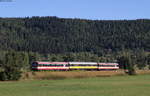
{"type": "Point", "coordinates": [11, 66]}
{"type": "Point", "coordinates": [127, 63]}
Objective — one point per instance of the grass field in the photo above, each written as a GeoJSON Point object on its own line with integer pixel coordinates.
{"type": "Point", "coordinates": [138, 85]}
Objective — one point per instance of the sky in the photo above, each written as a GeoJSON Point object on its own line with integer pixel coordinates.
{"type": "Point", "coordinates": [84, 9]}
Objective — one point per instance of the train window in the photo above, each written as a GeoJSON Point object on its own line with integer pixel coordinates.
{"type": "Point", "coordinates": [107, 65]}
{"type": "Point", "coordinates": [53, 65]}
{"type": "Point", "coordinates": [40, 65]}
{"type": "Point", "coordinates": [59, 65]}
{"type": "Point", "coordinates": [67, 65]}
{"type": "Point", "coordinates": [83, 65]}
{"type": "Point", "coordinates": [87, 65]}
{"type": "Point", "coordinates": [49, 65]}
{"type": "Point", "coordinates": [45, 64]}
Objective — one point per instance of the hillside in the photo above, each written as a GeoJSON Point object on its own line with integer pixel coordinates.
{"type": "Point", "coordinates": [58, 35]}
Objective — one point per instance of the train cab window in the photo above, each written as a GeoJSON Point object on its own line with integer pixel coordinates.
{"type": "Point", "coordinates": [34, 64]}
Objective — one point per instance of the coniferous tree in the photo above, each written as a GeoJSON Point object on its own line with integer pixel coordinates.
{"type": "Point", "coordinates": [11, 67]}
{"type": "Point", "coordinates": [127, 63]}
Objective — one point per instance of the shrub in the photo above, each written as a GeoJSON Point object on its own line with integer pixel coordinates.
{"type": "Point", "coordinates": [11, 65]}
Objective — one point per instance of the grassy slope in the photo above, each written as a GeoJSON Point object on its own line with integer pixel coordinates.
{"type": "Point", "coordinates": [74, 74]}
{"type": "Point", "coordinates": [102, 86]}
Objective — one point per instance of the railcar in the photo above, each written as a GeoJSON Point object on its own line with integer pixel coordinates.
{"type": "Point", "coordinates": [108, 66]}
{"type": "Point", "coordinates": [38, 65]}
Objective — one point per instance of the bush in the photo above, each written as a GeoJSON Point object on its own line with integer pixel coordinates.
{"type": "Point", "coordinates": [15, 75]}
{"type": "Point", "coordinates": [11, 66]}
{"type": "Point", "coordinates": [3, 76]}
{"type": "Point", "coordinates": [127, 63]}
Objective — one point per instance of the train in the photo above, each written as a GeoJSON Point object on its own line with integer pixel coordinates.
{"type": "Point", "coordinates": [66, 66]}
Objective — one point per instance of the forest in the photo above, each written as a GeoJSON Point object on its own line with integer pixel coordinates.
{"type": "Point", "coordinates": [59, 39]}
{"type": "Point", "coordinates": [57, 35]}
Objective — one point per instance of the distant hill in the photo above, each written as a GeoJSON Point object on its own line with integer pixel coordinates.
{"type": "Point", "coordinates": [58, 35]}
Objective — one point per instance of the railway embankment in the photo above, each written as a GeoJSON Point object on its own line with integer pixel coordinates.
{"type": "Point", "coordinates": [58, 75]}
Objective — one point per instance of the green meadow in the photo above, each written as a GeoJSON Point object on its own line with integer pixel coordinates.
{"type": "Point", "coordinates": [138, 85]}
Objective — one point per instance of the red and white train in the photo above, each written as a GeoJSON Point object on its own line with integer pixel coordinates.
{"type": "Point", "coordinates": [40, 65]}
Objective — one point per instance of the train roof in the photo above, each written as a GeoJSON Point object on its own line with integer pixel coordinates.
{"type": "Point", "coordinates": [82, 63]}
{"type": "Point", "coordinates": [108, 63]}
{"type": "Point", "coordinates": [100, 63]}
{"type": "Point", "coordinates": [42, 62]}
